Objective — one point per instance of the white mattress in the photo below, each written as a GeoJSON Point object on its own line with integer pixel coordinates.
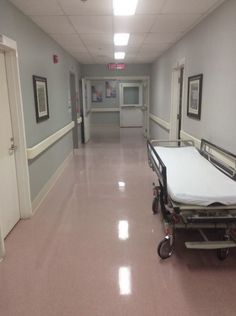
{"type": "Point", "coordinates": [191, 179]}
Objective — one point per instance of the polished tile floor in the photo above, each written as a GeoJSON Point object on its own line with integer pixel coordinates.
{"type": "Point", "coordinates": [90, 250]}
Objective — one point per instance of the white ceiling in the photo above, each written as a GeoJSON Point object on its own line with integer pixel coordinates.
{"type": "Point", "coordinates": [85, 29]}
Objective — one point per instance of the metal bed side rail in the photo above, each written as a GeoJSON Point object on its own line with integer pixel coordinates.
{"type": "Point", "coordinates": [220, 158]}
{"type": "Point", "coordinates": [159, 168]}
{"type": "Point", "coordinates": [172, 143]}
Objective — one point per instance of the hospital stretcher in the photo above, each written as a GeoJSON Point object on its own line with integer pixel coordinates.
{"type": "Point", "coordinates": [196, 190]}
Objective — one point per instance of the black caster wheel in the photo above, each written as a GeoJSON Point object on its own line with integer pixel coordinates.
{"type": "Point", "coordinates": [165, 249]}
{"type": "Point", "coordinates": [155, 205]}
{"type": "Point", "coordinates": [222, 254]}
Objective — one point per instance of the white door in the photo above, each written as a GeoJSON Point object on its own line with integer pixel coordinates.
{"type": "Point", "coordinates": [131, 104]}
{"type": "Point", "coordinates": [9, 203]}
{"type": "Point", "coordinates": [86, 109]}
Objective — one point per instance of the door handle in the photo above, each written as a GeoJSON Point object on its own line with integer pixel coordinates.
{"type": "Point", "coordinates": [12, 149]}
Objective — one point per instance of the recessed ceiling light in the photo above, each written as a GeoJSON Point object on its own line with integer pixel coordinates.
{"type": "Point", "coordinates": [119, 55]}
{"type": "Point", "coordinates": [124, 7]}
{"type": "Point", "coordinates": [121, 39]}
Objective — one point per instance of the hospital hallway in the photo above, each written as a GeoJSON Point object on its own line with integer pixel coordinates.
{"type": "Point", "coordinates": [92, 246]}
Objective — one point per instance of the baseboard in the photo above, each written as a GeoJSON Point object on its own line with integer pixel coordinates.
{"type": "Point", "coordinates": [50, 184]}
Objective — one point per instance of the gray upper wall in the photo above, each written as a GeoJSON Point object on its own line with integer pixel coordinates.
{"type": "Point", "coordinates": [35, 49]}
{"type": "Point", "coordinates": [132, 70]}
{"type": "Point", "coordinates": [210, 48]}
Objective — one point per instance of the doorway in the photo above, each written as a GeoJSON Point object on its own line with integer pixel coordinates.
{"type": "Point", "coordinates": [125, 103]}
{"type": "Point", "coordinates": [134, 99]}
{"type": "Point", "coordinates": [86, 104]}
{"type": "Point", "coordinates": [177, 101]}
{"type": "Point", "coordinates": [9, 211]}
{"type": "Point", "coordinates": [15, 200]}
{"type": "Point", "coordinates": [73, 101]}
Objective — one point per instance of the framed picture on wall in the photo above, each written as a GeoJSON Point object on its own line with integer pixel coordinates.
{"type": "Point", "coordinates": [194, 96]}
{"type": "Point", "coordinates": [41, 98]}
{"type": "Point", "coordinates": [110, 89]}
{"type": "Point", "coordinates": [97, 92]}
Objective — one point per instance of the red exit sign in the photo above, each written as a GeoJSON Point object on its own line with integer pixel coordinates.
{"type": "Point", "coordinates": [114, 66]}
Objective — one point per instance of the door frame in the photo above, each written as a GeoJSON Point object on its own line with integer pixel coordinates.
{"type": "Point", "coordinates": [175, 89]}
{"type": "Point", "coordinates": [130, 78]}
{"type": "Point", "coordinates": [86, 106]}
{"type": "Point", "coordinates": [9, 47]}
{"type": "Point", "coordinates": [74, 110]}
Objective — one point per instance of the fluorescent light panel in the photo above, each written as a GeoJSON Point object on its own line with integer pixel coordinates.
{"type": "Point", "coordinates": [124, 7]}
{"type": "Point", "coordinates": [119, 55]}
{"type": "Point", "coordinates": [121, 39]}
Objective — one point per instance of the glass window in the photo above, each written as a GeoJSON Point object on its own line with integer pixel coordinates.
{"type": "Point", "coordinates": [131, 95]}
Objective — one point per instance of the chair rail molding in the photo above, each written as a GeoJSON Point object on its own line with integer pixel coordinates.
{"type": "Point", "coordinates": [36, 150]}
{"type": "Point", "coordinates": [97, 110]}
{"type": "Point", "coordinates": [164, 124]}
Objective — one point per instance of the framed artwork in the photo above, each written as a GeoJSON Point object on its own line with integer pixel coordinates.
{"type": "Point", "coordinates": [40, 98]}
{"type": "Point", "coordinates": [110, 89]}
{"type": "Point", "coordinates": [97, 92]}
{"type": "Point", "coordinates": [194, 96]}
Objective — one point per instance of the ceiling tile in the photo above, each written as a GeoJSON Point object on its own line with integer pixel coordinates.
{"type": "Point", "coordinates": [54, 24]}
{"type": "Point", "coordinates": [136, 39]}
{"type": "Point", "coordinates": [149, 6]}
{"type": "Point", "coordinates": [105, 51]}
{"type": "Point", "coordinates": [145, 52]}
{"type": "Point", "coordinates": [104, 60]}
{"type": "Point", "coordinates": [92, 7]}
{"type": "Point", "coordinates": [97, 40]}
{"type": "Point", "coordinates": [174, 23]}
{"type": "Point", "coordinates": [84, 58]}
{"type": "Point", "coordinates": [69, 42]}
{"type": "Point", "coordinates": [130, 56]}
{"type": "Point", "coordinates": [105, 57]}
{"type": "Point", "coordinates": [36, 7]}
{"type": "Point", "coordinates": [149, 54]}
{"type": "Point", "coordinates": [163, 37]}
{"type": "Point", "coordinates": [92, 24]}
{"type": "Point", "coordinates": [128, 49]}
{"type": "Point", "coordinates": [134, 24]}
{"type": "Point", "coordinates": [144, 60]}
{"type": "Point", "coordinates": [188, 6]}
{"type": "Point", "coordinates": [155, 46]}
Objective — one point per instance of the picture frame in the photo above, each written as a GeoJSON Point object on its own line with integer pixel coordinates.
{"type": "Point", "coordinates": [110, 87]}
{"type": "Point", "coordinates": [97, 93]}
{"type": "Point", "coordinates": [41, 98]}
{"type": "Point", "coordinates": [194, 101]}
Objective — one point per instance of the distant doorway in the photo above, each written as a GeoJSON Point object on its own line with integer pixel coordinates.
{"type": "Point", "coordinates": [134, 105]}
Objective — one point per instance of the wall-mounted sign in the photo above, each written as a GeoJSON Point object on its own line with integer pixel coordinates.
{"type": "Point", "coordinates": [114, 66]}
{"type": "Point", "coordinates": [120, 66]}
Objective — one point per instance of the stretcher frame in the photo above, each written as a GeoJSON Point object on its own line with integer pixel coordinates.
{"type": "Point", "coordinates": [217, 217]}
